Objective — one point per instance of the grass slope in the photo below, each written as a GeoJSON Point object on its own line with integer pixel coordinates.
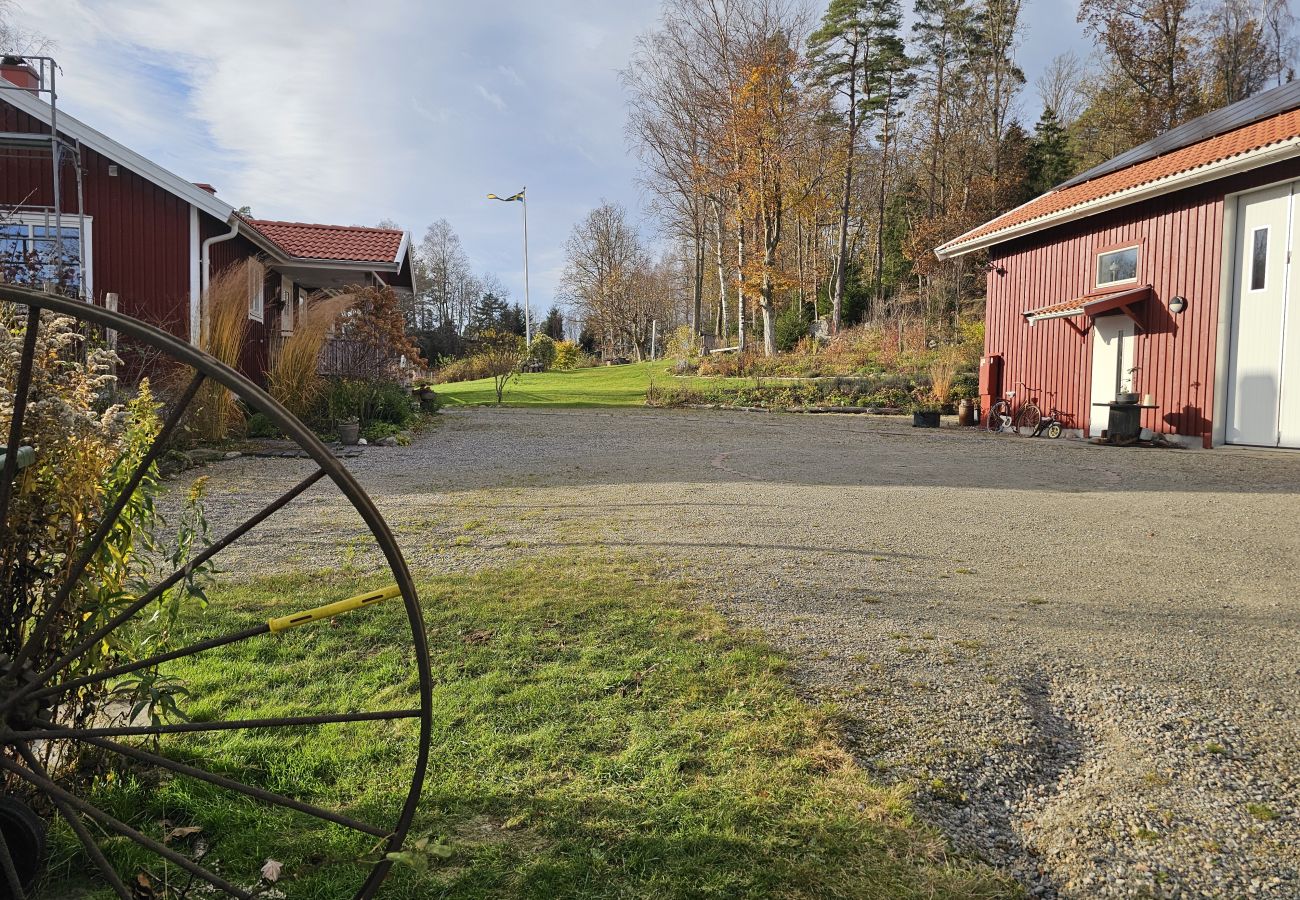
{"type": "Point", "coordinates": [596, 387]}
{"type": "Point", "coordinates": [594, 736]}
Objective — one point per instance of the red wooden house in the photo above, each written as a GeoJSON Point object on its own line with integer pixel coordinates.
{"type": "Point", "coordinates": [1165, 272]}
{"type": "Point", "coordinates": [149, 241]}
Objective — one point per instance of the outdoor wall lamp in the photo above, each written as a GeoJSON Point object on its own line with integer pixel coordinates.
{"type": "Point", "coordinates": [994, 267]}
{"type": "Point", "coordinates": [1177, 304]}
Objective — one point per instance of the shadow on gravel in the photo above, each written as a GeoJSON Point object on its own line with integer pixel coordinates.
{"type": "Point", "coordinates": [586, 449]}
{"type": "Point", "coordinates": [983, 822]}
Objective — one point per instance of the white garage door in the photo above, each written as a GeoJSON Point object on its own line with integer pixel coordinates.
{"type": "Point", "coordinates": [1264, 369]}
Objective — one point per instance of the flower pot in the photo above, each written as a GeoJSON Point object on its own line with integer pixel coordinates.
{"type": "Point", "coordinates": [349, 432]}
{"type": "Point", "coordinates": [925, 418]}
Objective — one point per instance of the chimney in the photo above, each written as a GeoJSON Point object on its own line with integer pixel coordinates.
{"type": "Point", "coordinates": [204, 186]}
{"type": "Point", "coordinates": [15, 70]}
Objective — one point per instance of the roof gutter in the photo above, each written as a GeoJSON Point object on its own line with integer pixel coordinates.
{"type": "Point", "coordinates": [1253, 159]}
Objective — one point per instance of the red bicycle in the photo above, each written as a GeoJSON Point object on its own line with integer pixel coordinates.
{"type": "Point", "coordinates": [1024, 421]}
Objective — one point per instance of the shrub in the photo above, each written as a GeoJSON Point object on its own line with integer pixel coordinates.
{"type": "Point", "coordinates": [368, 402]}
{"type": "Point", "coordinates": [569, 355]}
{"type": "Point", "coordinates": [671, 395]}
{"type": "Point", "coordinates": [470, 368]}
{"type": "Point", "coordinates": [543, 351]}
{"type": "Point", "coordinates": [294, 380]}
{"type": "Point", "coordinates": [259, 426]}
{"type": "Point", "coordinates": [377, 431]}
{"type": "Point", "coordinates": [792, 327]}
{"type": "Point", "coordinates": [86, 449]}
{"type": "Point", "coordinates": [942, 372]}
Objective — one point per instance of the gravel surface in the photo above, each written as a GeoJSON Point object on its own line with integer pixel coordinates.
{"type": "Point", "coordinates": [1086, 660]}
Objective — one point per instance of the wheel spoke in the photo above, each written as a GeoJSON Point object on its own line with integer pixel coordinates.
{"type": "Point", "coordinates": [11, 873]}
{"type": "Point", "coordinates": [52, 789]}
{"type": "Point", "coordinates": [21, 389]}
{"type": "Point", "coordinates": [106, 525]}
{"type": "Point", "coordinates": [74, 821]}
{"type": "Point", "coordinates": [234, 637]}
{"type": "Point", "coordinates": [236, 786]}
{"type": "Point", "coordinates": [55, 732]}
{"type": "Point", "coordinates": [170, 581]}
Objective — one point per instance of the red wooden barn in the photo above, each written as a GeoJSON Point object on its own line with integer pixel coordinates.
{"type": "Point", "coordinates": [149, 240]}
{"type": "Point", "coordinates": [1165, 272]}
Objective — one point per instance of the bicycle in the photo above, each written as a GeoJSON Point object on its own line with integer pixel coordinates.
{"type": "Point", "coordinates": [1024, 421]}
{"type": "Point", "coordinates": [1051, 424]}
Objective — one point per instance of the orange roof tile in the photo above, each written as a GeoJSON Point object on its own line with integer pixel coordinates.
{"type": "Point", "coordinates": [1254, 136]}
{"type": "Point", "coordinates": [345, 243]}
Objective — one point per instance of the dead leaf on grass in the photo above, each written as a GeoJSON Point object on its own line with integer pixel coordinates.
{"type": "Point", "coordinates": [271, 870]}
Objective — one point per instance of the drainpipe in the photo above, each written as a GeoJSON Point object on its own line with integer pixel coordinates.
{"type": "Point", "coordinates": [205, 271]}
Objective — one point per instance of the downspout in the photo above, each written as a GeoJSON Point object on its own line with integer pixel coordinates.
{"type": "Point", "coordinates": [205, 271]}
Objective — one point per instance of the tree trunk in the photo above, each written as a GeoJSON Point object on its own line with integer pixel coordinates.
{"type": "Point", "coordinates": [740, 272]}
{"type": "Point", "coordinates": [722, 275]}
{"type": "Point", "coordinates": [696, 327]}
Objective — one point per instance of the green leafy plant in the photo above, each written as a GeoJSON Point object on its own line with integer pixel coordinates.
{"type": "Point", "coordinates": [543, 351]}
{"type": "Point", "coordinates": [86, 448]}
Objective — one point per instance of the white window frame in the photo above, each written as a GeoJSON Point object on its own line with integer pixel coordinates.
{"type": "Point", "coordinates": [287, 302]}
{"type": "Point", "coordinates": [256, 290]}
{"type": "Point", "coordinates": [1137, 267]}
{"type": "Point", "coordinates": [46, 219]}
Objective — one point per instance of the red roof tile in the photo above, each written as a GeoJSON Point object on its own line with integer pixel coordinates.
{"type": "Point", "coordinates": [1254, 136]}
{"type": "Point", "coordinates": [346, 243]}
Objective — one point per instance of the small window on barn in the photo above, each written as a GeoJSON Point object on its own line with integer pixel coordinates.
{"type": "Point", "coordinates": [256, 289]}
{"type": "Point", "coordinates": [1259, 259]}
{"type": "Point", "coordinates": [1117, 266]}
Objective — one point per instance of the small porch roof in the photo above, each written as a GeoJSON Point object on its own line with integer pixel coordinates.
{"type": "Point", "coordinates": [1092, 305]}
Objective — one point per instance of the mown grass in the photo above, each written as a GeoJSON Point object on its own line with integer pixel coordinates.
{"type": "Point", "coordinates": [594, 736]}
{"type": "Point", "coordinates": [603, 386]}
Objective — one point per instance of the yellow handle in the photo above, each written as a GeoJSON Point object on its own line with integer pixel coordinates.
{"type": "Point", "coordinates": [333, 609]}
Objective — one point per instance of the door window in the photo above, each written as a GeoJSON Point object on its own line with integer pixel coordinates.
{"type": "Point", "coordinates": [1259, 259]}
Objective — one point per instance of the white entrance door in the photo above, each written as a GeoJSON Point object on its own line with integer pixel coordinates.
{"type": "Point", "coordinates": [1113, 348]}
{"type": "Point", "coordinates": [1264, 368]}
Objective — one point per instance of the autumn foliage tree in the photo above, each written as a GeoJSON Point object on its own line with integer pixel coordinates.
{"type": "Point", "coordinates": [370, 340]}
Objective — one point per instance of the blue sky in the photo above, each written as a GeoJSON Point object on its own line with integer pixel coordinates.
{"type": "Point", "coordinates": [351, 112]}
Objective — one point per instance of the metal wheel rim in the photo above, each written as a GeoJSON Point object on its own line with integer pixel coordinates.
{"type": "Point", "coordinates": [259, 400]}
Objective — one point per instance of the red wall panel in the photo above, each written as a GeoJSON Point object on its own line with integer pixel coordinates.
{"type": "Point", "coordinates": [140, 232]}
{"type": "Point", "coordinates": [1182, 235]}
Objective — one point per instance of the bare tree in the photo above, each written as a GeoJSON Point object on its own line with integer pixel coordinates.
{"type": "Point", "coordinates": [15, 39]}
{"type": "Point", "coordinates": [1060, 87]}
{"type": "Point", "coordinates": [1279, 33]}
{"type": "Point", "coordinates": [605, 282]}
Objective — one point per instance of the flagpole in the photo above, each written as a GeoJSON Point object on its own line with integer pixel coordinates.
{"type": "Point", "coordinates": [528, 315]}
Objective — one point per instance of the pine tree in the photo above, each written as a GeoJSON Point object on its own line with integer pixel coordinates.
{"type": "Point", "coordinates": [553, 324]}
{"type": "Point", "coordinates": [858, 53]}
{"type": "Point", "coordinates": [489, 312]}
{"type": "Point", "coordinates": [1049, 160]}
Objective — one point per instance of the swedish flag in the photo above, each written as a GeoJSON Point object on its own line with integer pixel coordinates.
{"type": "Point", "coordinates": [519, 196]}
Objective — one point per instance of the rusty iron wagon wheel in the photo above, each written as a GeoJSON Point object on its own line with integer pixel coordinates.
{"type": "Point", "coordinates": [30, 722]}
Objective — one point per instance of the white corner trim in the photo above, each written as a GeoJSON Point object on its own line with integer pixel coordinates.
{"type": "Point", "coordinates": [103, 144]}
{"type": "Point", "coordinates": [196, 276]}
{"type": "Point", "coordinates": [1244, 162]}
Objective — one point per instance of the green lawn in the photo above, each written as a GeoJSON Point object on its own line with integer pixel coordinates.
{"type": "Point", "coordinates": [595, 735]}
{"type": "Point", "coordinates": [600, 386]}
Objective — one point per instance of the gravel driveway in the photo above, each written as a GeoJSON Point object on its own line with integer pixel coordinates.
{"type": "Point", "coordinates": [1086, 660]}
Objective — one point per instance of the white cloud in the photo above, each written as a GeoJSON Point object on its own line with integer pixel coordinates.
{"type": "Point", "coordinates": [490, 97]}
{"type": "Point", "coordinates": [509, 73]}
